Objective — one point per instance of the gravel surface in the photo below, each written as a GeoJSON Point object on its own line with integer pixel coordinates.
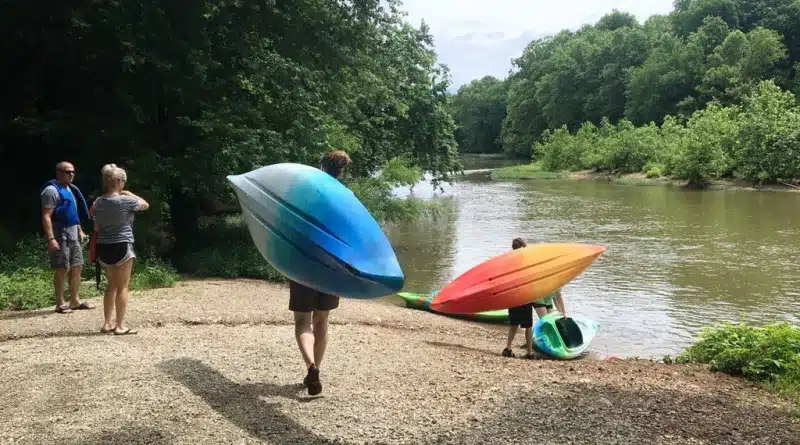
{"type": "Point", "coordinates": [216, 362]}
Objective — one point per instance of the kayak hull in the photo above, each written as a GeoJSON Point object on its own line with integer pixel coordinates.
{"type": "Point", "coordinates": [313, 230]}
{"type": "Point", "coordinates": [564, 338]}
{"type": "Point", "coordinates": [422, 302]}
{"type": "Point", "coordinates": [516, 277]}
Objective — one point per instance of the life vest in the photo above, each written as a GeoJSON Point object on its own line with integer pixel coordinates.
{"type": "Point", "coordinates": [66, 212]}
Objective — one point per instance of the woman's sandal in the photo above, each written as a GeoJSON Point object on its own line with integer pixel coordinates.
{"type": "Point", "coordinates": [125, 332]}
{"type": "Point", "coordinates": [107, 331]}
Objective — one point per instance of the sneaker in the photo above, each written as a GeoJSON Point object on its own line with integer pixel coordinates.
{"type": "Point", "coordinates": [508, 353]}
{"type": "Point", "coordinates": [311, 382]}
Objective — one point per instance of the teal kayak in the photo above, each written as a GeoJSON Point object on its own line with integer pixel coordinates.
{"type": "Point", "coordinates": [564, 337]}
{"type": "Point", "coordinates": [422, 301]}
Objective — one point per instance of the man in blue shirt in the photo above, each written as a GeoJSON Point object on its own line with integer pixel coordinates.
{"type": "Point", "coordinates": [62, 228]}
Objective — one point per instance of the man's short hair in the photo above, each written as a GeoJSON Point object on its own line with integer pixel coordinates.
{"type": "Point", "coordinates": [334, 162]}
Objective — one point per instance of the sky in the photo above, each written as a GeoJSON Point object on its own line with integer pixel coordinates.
{"type": "Point", "coordinates": [479, 37]}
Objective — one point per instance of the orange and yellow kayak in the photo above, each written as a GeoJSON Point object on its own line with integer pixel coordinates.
{"type": "Point", "coordinates": [516, 277]}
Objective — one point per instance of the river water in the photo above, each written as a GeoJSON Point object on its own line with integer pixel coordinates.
{"type": "Point", "coordinates": [677, 260]}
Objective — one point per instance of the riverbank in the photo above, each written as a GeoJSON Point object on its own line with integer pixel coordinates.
{"type": "Point", "coordinates": [215, 362]}
{"type": "Point", "coordinates": [534, 171]}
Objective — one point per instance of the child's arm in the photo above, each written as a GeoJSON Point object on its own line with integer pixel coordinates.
{"type": "Point", "coordinates": [560, 303]}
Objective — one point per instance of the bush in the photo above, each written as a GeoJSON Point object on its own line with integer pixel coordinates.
{"type": "Point", "coordinates": [632, 147]}
{"type": "Point", "coordinates": [376, 192]}
{"type": "Point", "coordinates": [562, 151]}
{"type": "Point", "coordinates": [225, 249]}
{"type": "Point", "coordinates": [671, 132]}
{"type": "Point", "coordinates": [769, 354]}
{"type": "Point", "coordinates": [153, 273]}
{"type": "Point", "coordinates": [770, 135]}
{"type": "Point", "coordinates": [654, 170]}
{"type": "Point", "coordinates": [703, 151]}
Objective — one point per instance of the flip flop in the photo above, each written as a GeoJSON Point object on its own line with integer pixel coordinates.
{"type": "Point", "coordinates": [125, 332]}
{"type": "Point", "coordinates": [82, 306]}
{"type": "Point", "coordinates": [63, 309]}
{"type": "Point", "coordinates": [107, 331]}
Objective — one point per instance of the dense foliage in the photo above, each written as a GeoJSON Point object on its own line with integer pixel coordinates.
{"type": "Point", "coordinates": [769, 354]}
{"type": "Point", "coordinates": [757, 140]}
{"type": "Point", "coordinates": [183, 94]}
{"type": "Point", "coordinates": [479, 108]}
{"type": "Point", "coordinates": [704, 92]}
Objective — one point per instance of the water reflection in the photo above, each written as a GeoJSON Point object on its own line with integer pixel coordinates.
{"type": "Point", "coordinates": [677, 260]}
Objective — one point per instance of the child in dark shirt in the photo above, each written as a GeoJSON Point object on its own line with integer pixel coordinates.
{"type": "Point", "coordinates": [522, 316]}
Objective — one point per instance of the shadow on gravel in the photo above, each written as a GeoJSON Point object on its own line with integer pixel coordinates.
{"type": "Point", "coordinates": [457, 347]}
{"type": "Point", "coordinates": [539, 355]}
{"type": "Point", "coordinates": [38, 313]}
{"type": "Point", "coordinates": [241, 404]}
{"type": "Point", "coordinates": [60, 334]}
{"type": "Point", "coordinates": [587, 413]}
{"type": "Point", "coordinates": [129, 434]}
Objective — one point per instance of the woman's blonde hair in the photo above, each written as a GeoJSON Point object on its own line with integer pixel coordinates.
{"type": "Point", "coordinates": [112, 175]}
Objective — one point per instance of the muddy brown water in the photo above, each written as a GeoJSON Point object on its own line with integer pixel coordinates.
{"type": "Point", "coordinates": [677, 260]}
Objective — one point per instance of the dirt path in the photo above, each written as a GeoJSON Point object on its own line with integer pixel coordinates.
{"type": "Point", "coordinates": [216, 362]}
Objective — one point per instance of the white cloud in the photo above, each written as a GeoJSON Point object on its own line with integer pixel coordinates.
{"type": "Point", "coordinates": [479, 37]}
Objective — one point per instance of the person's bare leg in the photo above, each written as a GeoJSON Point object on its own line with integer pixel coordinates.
{"type": "Point", "coordinates": [512, 332]}
{"type": "Point", "coordinates": [529, 340]}
{"type": "Point", "coordinates": [74, 286]}
{"type": "Point", "coordinates": [541, 312]}
{"type": "Point", "coordinates": [307, 341]}
{"type": "Point", "coordinates": [123, 279]}
{"type": "Point", "coordinates": [109, 297]}
{"type": "Point", "coordinates": [320, 321]}
{"type": "Point", "coordinates": [58, 284]}
{"type": "Point", "coordinates": [304, 336]}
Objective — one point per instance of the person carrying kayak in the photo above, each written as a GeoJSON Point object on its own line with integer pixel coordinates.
{"type": "Point", "coordinates": [522, 316]}
{"type": "Point", "coordinates": [311, 307]}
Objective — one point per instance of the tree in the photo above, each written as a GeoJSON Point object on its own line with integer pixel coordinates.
{"type": "Point", "coordinates": [479, 109]}
{"type": "Point", "coordinates": [182, 95]}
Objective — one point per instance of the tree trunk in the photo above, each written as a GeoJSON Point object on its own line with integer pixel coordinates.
{"type": "Point", "coordinates": [184, 213]}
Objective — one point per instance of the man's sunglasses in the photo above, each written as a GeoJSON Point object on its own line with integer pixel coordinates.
{"type": "Point", "coordinates": [69, 172]}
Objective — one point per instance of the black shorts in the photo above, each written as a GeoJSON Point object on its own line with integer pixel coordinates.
{"type": "Point", "coordinates": [305, 299]}
{"type": "Point", "coordinates": [547, 306]}
{"type": "Point", "coordinates": [521, 316]}
{"type": "Point", "coordinates": [114, 254]}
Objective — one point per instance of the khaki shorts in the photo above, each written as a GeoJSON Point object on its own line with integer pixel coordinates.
{"type": "Point", "coordinates": [305, 299]}
{"type": "Point", "coordinates": [69, 255]}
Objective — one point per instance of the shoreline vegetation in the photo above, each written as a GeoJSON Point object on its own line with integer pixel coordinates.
{"type": "Point", "coordinates": [534, 172]}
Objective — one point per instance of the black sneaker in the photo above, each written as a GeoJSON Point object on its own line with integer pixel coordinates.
{"type": "Point", "coordinates": [311, 382]}
{"type": "Point", "coordinates": [508, 353]}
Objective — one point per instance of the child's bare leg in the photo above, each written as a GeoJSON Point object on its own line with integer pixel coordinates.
{"type": "Point", "coordinates": [529, 340]}
{"type": "Point", "coordinates": [512, 332]}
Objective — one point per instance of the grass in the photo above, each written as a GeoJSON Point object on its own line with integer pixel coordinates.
{"type": "Point", "coordinates": [26, 281]}
{"type": "Point", "coordinates": [769, 355]}
{"type": "Point", "coordinates": [635, 179]}
{"type": "Point", "coordinates": [526, 172]}
{"type": "Point", "coordinates": [223, 250]}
